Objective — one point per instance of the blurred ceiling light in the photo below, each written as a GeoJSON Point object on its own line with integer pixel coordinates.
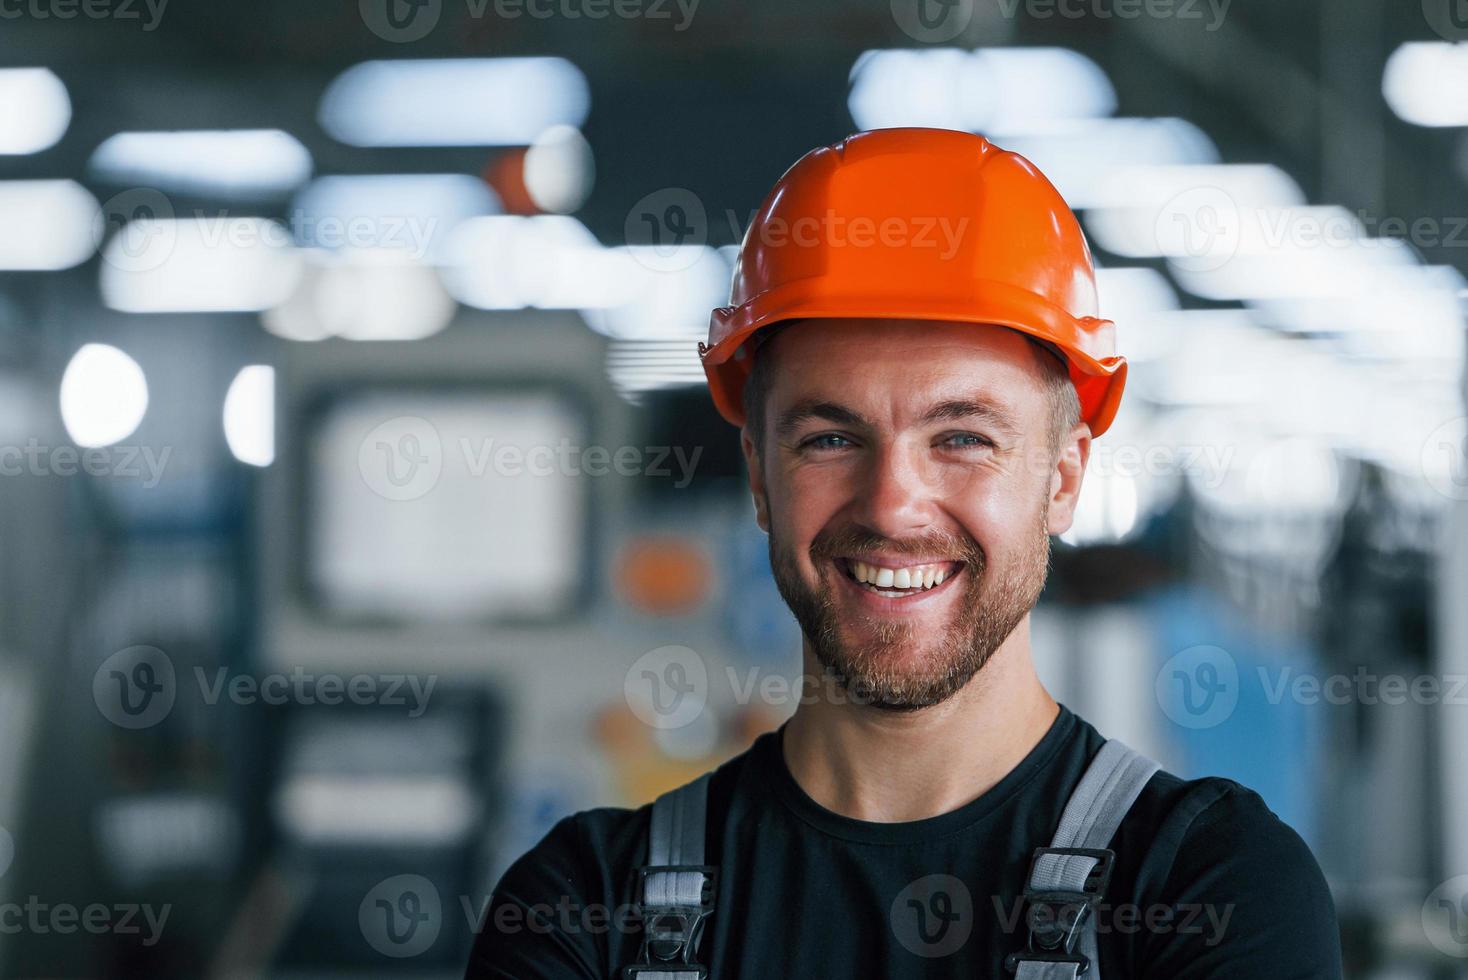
{"type": "Point", "coordinates": [1425, 83]}
{"type": "Point", "coordinates": [1352, 269]}
{"type": "Point", "coordinates": [104, 396]}
{"type": "Point", "coordinates": [244, 163]}
{"type": "Point", "coordinates": [509, 262]}
{"type": "Point", "coordinates": [1288, 475]}
{"type": "Point", "coordinates": [46, 225]}
{"type": "Point", "coordinates": [413, 213]}
{"type": "Point", "coordinates": [1108, 509]}
{"type": "Point", "coordinates": [454, 102]}
{"type": "Point", "coordinates": [1195, 212]}
{"type": "Point", "coordinates": [382, 294]}
{"type": "Point", "coordinates": [667, 293]}
{"type": "Point", "coordinates": [1215, 358]}
{"type": "Point", "coordinates": [34, 110]}
{"type": "Point", "coordinates": [1008, 90]}
{"type": "Point", "coordinates": [559, 169]}
{"type": "Point", "coordinates": [249, 415]}
{"type": "Point", "coordinates": [199, 265]}
{"type": "Point", "coordinates": [1078, 154]}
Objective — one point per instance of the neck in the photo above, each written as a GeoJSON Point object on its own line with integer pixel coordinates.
{"type": "Point", "coordinates": [888, 766]}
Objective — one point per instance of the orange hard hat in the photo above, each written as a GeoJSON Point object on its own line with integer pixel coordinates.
{"type": "Point", "coordinates": [918, 224]}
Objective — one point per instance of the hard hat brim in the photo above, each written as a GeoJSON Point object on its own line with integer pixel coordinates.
{"type": "Point", "coordinates": [1099, 380]}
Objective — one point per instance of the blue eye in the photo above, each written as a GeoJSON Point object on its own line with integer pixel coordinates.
{"type": "Point", "coordinates": [965, 440]}
{"type": "Point", "coordinates": [827, 440]}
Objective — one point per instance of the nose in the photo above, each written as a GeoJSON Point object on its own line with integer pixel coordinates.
{"type": "Point", "coordinates": [895, 496]}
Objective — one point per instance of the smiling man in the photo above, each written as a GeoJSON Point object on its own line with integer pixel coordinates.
{"type": "Point", "coordinates": [917, 414]}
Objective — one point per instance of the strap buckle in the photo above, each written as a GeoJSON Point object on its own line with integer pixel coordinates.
{"type": "Point", "coordinates": [1057, 916]}
{"type": "Point", "coordinates": [671, 931]}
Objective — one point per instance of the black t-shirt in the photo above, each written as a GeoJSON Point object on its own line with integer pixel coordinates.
{"type": "Point", "coordinates": [1207, 883]}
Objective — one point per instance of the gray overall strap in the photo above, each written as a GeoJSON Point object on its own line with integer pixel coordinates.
{"type": "Point", "coordinates": [1065, 882]}
{"type": "Point", "coordinates": [675, 888]}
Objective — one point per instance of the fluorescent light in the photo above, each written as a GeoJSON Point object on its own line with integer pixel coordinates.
{"type": "Point", "coordinates": [199, 264]}
{"type": "Point", "coordinates": [1426, 83]}
{"type": "Point", "coordinates": [1077, 155]}
{"type": "Point", "coordinates": [990, 89]}
{"type": "Point", "coordinates": [46, 225]}
{"type": "Point", "coordinates": [249, 415]}
{"type": "Point", "coordinates": [507, 262]}
{"type": "Point", "coordinates": [34, 110]}
{"type": "Point", "coordinates": [245, 162]}
{"type": "Point", "coordinates": [1195, 212]}
{"type": "Point", "coordinates": [454, 102]}
{"type": "Point", "coordinates": [412, 213]}
{"type": "Point", "coordinates": [371, 294]}
{"type": "Point", "coordinates": [103, 396]}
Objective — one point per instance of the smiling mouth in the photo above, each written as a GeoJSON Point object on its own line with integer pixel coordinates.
{"type": "Point", "coordinates": [898, 583]}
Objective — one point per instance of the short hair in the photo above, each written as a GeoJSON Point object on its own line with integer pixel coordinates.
{"type": "Point", "coordinates": [1060, 392]}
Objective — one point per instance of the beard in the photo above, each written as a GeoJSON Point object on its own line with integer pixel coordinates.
{"type": "Point", "coordinates": [900, 666]}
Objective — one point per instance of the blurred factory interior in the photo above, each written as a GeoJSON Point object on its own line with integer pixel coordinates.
{"type": "Point", "coordinates": [355, 458]}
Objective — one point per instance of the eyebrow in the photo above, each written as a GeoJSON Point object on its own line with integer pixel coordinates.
{"type": "Point", "coordinates": [953, 410]}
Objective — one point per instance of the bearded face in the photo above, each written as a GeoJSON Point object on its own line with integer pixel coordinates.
{"type": "Point", "coordinates": [909, 480]}
{"type": "Point", "coordinates": [903, 662]}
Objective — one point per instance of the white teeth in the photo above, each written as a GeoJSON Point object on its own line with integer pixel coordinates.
{"type": "Point", "coordinates": [912, 577]}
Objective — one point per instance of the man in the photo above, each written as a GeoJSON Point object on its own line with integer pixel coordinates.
{"type": "Point", "coordinates": [914, 356]}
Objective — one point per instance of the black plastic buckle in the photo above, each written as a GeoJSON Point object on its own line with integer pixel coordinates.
{"type": "Point", "coordinates": [671, 932]}
{"type": "Point", "coordinates": [1056, 917]}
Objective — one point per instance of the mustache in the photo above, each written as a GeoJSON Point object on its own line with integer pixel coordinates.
{"type": "Point", "coordinates": [836, 542]}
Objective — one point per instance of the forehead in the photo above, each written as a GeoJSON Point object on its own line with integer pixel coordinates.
{"type": "Point", "coordinates": [904, 365]}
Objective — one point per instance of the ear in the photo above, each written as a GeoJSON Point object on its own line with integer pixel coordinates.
{"type": "Point", "coordinates": [756, 479]}
{"type": "Point", "coordinates": [1066, 476]}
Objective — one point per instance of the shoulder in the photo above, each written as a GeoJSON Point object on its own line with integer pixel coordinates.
{"type": "Point", "coordinates": [1228, 881]}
